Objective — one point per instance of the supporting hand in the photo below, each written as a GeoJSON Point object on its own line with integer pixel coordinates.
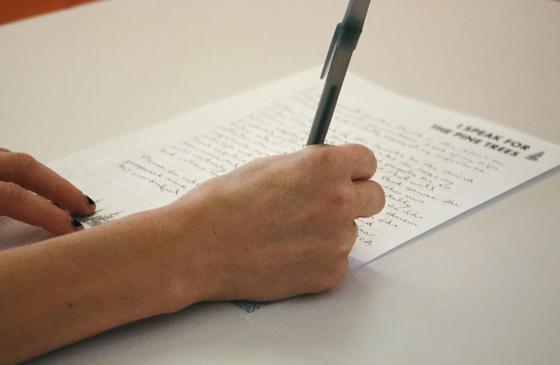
{"type": "Point", "coordinates": [32, 193]}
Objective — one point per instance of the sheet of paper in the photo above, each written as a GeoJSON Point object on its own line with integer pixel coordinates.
{"type": "Point", "coordinates": [433, 164]}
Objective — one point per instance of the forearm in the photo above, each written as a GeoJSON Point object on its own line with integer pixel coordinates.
{"type": "Point", "coordinates": [71, 287]}
{"type": "Point", "coordinates": [275, 228]}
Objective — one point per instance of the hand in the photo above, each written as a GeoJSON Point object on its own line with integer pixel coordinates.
{"type": "Point", "coordinates": [277, 227]}
{"type": "Point", "coordinates": [32, 193]}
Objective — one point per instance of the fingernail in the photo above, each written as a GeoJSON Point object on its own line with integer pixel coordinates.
{"type": "Point", "coordinates": [90, 202]}
{"type": "Point", "coordinates": [77, 225]}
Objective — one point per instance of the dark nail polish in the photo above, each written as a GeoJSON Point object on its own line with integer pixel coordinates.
{"type": "Point", "coordinates": [76, 224]}
{"type": "Point", "coordinates": [90, 200]}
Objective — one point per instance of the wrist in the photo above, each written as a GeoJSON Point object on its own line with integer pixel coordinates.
{"type": "Point", "coordinates": [175, 285]}
{"type": "Point", "coordinates": [185, 262]}
{"type": "Point", "coordinates": [154, 251]}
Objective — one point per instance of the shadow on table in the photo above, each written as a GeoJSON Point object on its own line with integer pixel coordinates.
{"type": "Point", "coordinates": [292, 331]}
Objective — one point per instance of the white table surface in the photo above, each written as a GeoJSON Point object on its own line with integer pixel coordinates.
{"type": "Point", "coordinates": [483, 289]}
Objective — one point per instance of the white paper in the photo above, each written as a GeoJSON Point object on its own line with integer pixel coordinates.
{"type": "Point", "coordinates": [433, 164]}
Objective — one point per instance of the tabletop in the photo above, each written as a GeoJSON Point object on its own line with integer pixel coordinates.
{"type": "Point", "coordinates": [481, 289]}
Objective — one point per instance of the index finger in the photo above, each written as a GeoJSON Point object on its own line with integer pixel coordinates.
{"type": "Point", "coordinates": [361, 161]}
{"type": "Point", "coordinates": [24, 170]}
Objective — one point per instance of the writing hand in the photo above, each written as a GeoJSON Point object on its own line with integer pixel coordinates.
{"type": "Point", "coordinates": [279, 226]}
{"type": "Point", "coordinates": [29, 191]}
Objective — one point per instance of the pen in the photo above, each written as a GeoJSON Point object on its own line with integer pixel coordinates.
{"type": "Point", "coordinates": [344, 42]}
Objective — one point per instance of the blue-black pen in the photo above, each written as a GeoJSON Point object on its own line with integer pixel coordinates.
{"type": "Point", "coordinates": [344, 42]}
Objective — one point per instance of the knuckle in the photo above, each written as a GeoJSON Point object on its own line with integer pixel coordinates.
{"type": "Point", "coordinates": [367, 155]}
{"type": "Point", "coordinates": [371, 161]}
{"type": "Point", "coordinates": [12, 193]}
{"type": "Point", "coordinates": [379, 193]}
{"type": "Point", "coordinates": [359, 149]}
{"type": "Point", "coordinates": [25, 161]}
{"type": "Point", "coordinates": [363, 152]}
{"type": "Point", "coordinates": [342, 197]}
{"type": "Point", "coordinates": [375, 201]}
{"type": "Point", "coordinates": [328, 157]}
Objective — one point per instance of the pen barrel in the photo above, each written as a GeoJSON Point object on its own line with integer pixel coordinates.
{"type": "Point", "coordinates": [356, 14]}
{"type": "Point", "coordinates": [323, 116]}
{"type": "Point", "coordinates": [329, 97]}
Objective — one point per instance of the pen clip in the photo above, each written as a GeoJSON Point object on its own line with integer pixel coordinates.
{"type": "Point", "coordinates": [332, 49]}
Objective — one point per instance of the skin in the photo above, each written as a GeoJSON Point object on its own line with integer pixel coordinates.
{"type": "Point", "coordinates": [275, 228]}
